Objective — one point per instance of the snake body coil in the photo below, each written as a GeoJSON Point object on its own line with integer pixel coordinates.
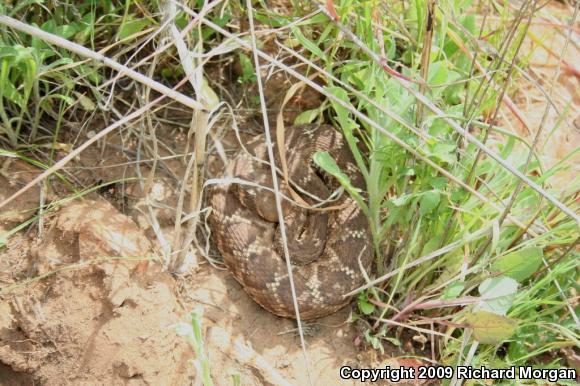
{"type": "Point", "coordinates": [327, 248]}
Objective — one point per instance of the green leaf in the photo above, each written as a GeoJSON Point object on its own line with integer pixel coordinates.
{"type": "Point", "coordinates": [490, 328]}
{"type": "Point", "coordinates": [373, 340]}
{"type": "Point", "coordinates": [307, 116]}
{"type": "Point", "coordinates": [85, 102]}
{"type": "Point", "coordinates": [497, 295]}
{"type": "Point", "coordinates": [363, 304]}
{"type": "Point", "coordinates": [519, 265]}
{"type": "Point", "coordinates": [248, 74]}
{"type": "Point", "coordinates": [402, 199]}
{"type": "Point", "coordinates": [438, 73]}
{"type": "Point", "coordinates": [342, 114]}
{"type": "Point", "coordinates": [429, 201]}
{"type": "Point", "coordinates": [131, 27]}
{"type": "Point", "coordinates": [324, 160]}
{"type": "Point", "coordinates": [65, 31]}
{"type": "Point", "coordinates": [365, 307]}
{"type": "Point", "coordinates": [309, 45]}
{"type": "Point", "coordinates": [453, 290]}
{"type": "Point", "coordinates": [446, 152]}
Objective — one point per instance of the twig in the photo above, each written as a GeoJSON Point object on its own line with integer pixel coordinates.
{"type": "Point", "coordinates": [281, 225]}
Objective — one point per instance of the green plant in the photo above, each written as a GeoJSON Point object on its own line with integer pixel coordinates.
{"type": "Point", "coordinates": [193, 333]}
{"type": "Point", "coordinates": [414, 211]}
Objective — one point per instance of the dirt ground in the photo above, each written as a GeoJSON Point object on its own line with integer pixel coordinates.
{"type": "Point", "coordinates": [85, 300]}
{"type": "Point", "coordinates": [70, 317]}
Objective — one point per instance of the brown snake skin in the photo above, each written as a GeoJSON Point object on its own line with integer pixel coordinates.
{"type": "Point", "coordinates": [324, 246]}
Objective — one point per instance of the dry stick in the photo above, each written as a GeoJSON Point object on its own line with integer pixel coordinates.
{"type": "Point", "coordinates": [199, 124]}
{"type": "Point", "coordinates": [454, 125]}
{"type": "Point", "coordinates": [85, 52]}
{"type": "Point", "coordinates": [359, 115]}
{"type": "Point", "coordinates": [281, 224]}
{"type": "Point", "coordinates": [145, 187]}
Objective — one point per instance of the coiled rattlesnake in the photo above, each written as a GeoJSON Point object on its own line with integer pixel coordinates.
{"type": "Point", "coordinates": [327, 248]}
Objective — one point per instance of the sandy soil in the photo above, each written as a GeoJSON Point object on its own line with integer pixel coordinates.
{"type": "Point", "coordinates": [82, 303]}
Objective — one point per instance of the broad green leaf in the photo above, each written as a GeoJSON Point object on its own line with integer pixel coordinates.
{"type": "Point", "coordinates": [131, 27]}
{"type": "Point", "coordinates": [65, 31]}
{"type": "Point", "coordinates": [402, 199]}
{"type": "Point", "coordinates": [365, 307]}
{"type": "Point", "coordinates": [11, 93]}
{"type": "Point", "coordinates": [341, 112]}
{"type": "Point", "coordinates": [453, 290]}
{"type": "Point", "coordinates": [519, 265]}
{"type": "Point", "coordinates": [446, 152]}
{"type": "Point", "coordinates": [324, 160]}
{"type": "Point", "coordinates": [491, 328]}
{"type": "Point", "coordinates": [429, 201]}
{"type": "Point", "coordinates": [438, 73]}
{"type": "Point", "coordinates": [347, 125]}
{"type": "Point", "coordinates": [307, 116]}
{"type": "Point", "coordinates": [363, 304]}
{"type": "Point", "coordinates": [497, 295]}
{"type": "Point", "coordinates": [85, 102]}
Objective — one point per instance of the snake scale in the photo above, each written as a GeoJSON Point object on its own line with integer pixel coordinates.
{"type": "Point", "coordinates": [327, 248]}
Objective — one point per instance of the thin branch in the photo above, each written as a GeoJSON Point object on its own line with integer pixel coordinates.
{"type": "Point", "coordinates": [281, 225]}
